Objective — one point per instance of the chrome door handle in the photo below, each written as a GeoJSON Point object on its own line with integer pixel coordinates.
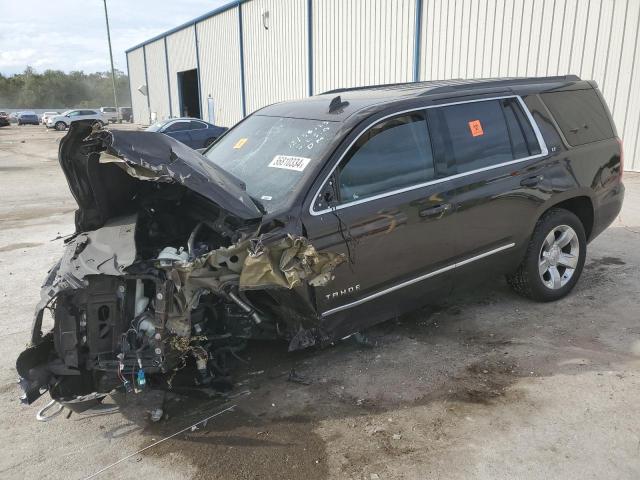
{"type": "Point", "coordinates": [438, 210]}
{"type": "Point", "coordinates": [531, 181]}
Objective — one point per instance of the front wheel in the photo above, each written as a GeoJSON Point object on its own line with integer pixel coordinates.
{"type": "Point", "coordinates": [60, 126]}
{"type": "Point", "coordinates": [554, 259]}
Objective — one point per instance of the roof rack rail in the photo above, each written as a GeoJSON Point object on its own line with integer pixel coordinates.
{"type": "Point", "coordinates": [442, 86]}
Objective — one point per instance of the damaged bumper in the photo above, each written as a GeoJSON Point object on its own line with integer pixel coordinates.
{"type": "Point", "coordinates": [170, 270]}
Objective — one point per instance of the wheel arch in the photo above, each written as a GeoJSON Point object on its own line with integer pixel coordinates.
{"type": "Point", "coordinates": [581, 206]}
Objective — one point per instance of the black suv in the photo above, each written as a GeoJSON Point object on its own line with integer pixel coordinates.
{"type": "Point", "coordinates": [311, 220]}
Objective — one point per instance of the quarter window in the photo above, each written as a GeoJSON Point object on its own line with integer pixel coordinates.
{"type": "Point", "coordinates": [391, 155]}
{"type": "Point", "coordinates": [580, 115]}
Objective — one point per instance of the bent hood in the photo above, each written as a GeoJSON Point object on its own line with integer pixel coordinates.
{"type": "Point", "coordinates": [88, 159]}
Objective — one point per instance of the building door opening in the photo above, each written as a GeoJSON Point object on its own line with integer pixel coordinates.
{"type": "Point", "coordinates": [189, 94]}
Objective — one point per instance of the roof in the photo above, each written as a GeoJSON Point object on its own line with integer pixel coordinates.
{"type": "Point", "coordinates": [352, 100]}
{"type": "Point", "coordinates": [190, 23]}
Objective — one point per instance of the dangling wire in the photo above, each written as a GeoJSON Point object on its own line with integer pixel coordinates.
{"type": "Point", "coordinates": [346, 238]}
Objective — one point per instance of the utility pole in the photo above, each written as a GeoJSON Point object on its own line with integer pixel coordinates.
{"type": "Point", "coordinates": [113, 72]}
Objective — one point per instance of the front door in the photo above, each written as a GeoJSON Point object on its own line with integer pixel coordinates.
{"type": "Point", "coordinates": [392, 219]}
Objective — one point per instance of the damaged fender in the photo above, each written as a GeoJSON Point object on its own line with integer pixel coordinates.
{"type": "Point", "coordinates": [171, 269]}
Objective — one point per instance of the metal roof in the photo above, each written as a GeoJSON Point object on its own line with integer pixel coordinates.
{"type": "Point", "coordinates": [190, 23]}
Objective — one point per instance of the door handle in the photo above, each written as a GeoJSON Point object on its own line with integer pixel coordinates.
{"type": "Point", "coordinates": [531, 181]}
{"type": "Point", "coordinates": [438, 210]}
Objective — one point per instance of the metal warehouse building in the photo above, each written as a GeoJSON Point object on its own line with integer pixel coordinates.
{"type": "Point", "coordinates": [251, 53]}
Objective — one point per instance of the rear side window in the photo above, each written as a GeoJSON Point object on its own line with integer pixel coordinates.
{"type": "Point", "coordinates": [391, 155]}
{"type": "Point", "coordinates": [580, 115]}
{"type": "Point", "coordinates": [197, 125]}
{"type": "Point", "coordinates": [178, 126]}
{"type": "Point", "coordinates": [476, 135]}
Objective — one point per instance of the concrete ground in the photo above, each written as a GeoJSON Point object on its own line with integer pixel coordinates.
{"type": "Point", "coordinates": [487, 385]}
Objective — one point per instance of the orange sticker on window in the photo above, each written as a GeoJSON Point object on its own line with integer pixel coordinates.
{"type": "Point", "coordinates": [476, 128]}
{"type": "Point", "coordinates": [240, 143]}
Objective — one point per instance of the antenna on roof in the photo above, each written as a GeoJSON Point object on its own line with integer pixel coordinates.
{"type": "Point", "coordinates": [337, 105]}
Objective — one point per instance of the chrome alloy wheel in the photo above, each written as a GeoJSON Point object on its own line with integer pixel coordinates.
{"type": "Point", "coordinates": [558, 257]}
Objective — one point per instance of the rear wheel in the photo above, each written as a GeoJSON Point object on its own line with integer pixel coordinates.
{"type": "Point", "coordinates": [554, 259]}
{"type": "Point", "coordinates": [60, 126]}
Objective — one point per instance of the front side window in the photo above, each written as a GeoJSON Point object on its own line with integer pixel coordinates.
{"type": "Point", "coordinates": [391, 155]}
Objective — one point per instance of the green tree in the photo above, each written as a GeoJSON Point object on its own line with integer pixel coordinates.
{"type": "Point", "coordinates": [57, 89]}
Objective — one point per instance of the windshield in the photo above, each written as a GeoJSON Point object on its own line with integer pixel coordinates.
{"type": "Point", "coordinates": [271, 155]}
{"type": "Point", "coordinates": [157, 126]}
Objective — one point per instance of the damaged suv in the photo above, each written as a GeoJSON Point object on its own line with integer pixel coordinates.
{"type": "Point", "coordinates": [311, 220]}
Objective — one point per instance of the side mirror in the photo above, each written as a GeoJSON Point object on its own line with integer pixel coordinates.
{"type": "Point", "coordinates": [67, 115]}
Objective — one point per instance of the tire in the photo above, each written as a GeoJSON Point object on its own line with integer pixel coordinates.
{"type": "Point", "coordinates": [60, 126]}
{"type": "Point", "coordinates": [554, 259]}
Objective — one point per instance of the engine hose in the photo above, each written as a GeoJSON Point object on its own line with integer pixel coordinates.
{"type": "Point", "coordinates": [192, 239]}
{"type": "Point", "coordinates": [246, 308]}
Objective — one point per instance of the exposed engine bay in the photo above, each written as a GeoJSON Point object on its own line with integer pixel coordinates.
{"type": "Point", "coordinates": [173, 267]}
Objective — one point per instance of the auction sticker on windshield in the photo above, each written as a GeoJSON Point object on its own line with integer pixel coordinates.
{"type": "Point", "coordinates": [289, 162]}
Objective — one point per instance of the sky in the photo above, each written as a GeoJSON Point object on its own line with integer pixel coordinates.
{"type": "Point", "coordinates": [71, 34]}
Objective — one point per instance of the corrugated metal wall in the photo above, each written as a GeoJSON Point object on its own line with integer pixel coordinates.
{"type": "Point", "coordinates": [275, 51]}
{"type": "Point", "coordinates": [157, 80]}
{"type": "Point", "coordinates": [181, 49]}
{"type": "Point", "coordinates": [362, 42]}
{"type": "Point", "coordinates": [595, 39]}
{"type": "Point", "coordinates": [137, 78]}
{"type": "Point", "coordinates": [219, 42]}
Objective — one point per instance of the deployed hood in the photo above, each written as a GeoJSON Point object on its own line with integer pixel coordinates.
{"type": "Point", "coordinates": [103, 167]}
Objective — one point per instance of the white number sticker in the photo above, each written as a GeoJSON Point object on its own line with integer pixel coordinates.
{"type": "Point", "coordinates": [289, 162]}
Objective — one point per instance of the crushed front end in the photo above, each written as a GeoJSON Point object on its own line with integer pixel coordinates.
{"type": "Point", "coordinates": [171, 269]}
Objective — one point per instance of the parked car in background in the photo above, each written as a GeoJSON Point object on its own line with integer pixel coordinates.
{"type": "Point", "coordinates": [64, 120]}
{"type": "Point", "coordinates": [46, 115]}
{"type": "Point", "coordinates": [193, 132]}
{"type": "Point", "coordinates": [28, 118]}
{"type": "Point", "coordinates": [109, 114]}
{"type": "Point", "coordinates": [13, 117]}
{"type": "Point", "coordinates": [4, 119]}
{"type": "Point", "coordinates": [126, 114]}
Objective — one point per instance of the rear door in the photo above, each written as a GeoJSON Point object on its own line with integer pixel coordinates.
{"type": "Point", "coordinates": [179, 130]}
{"type": "Point", "coordinates": [391, 219]}
{"type": "Point", "coordinates": [199, 134]}
{"type": "Point", "coordinates": [495, 156]}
